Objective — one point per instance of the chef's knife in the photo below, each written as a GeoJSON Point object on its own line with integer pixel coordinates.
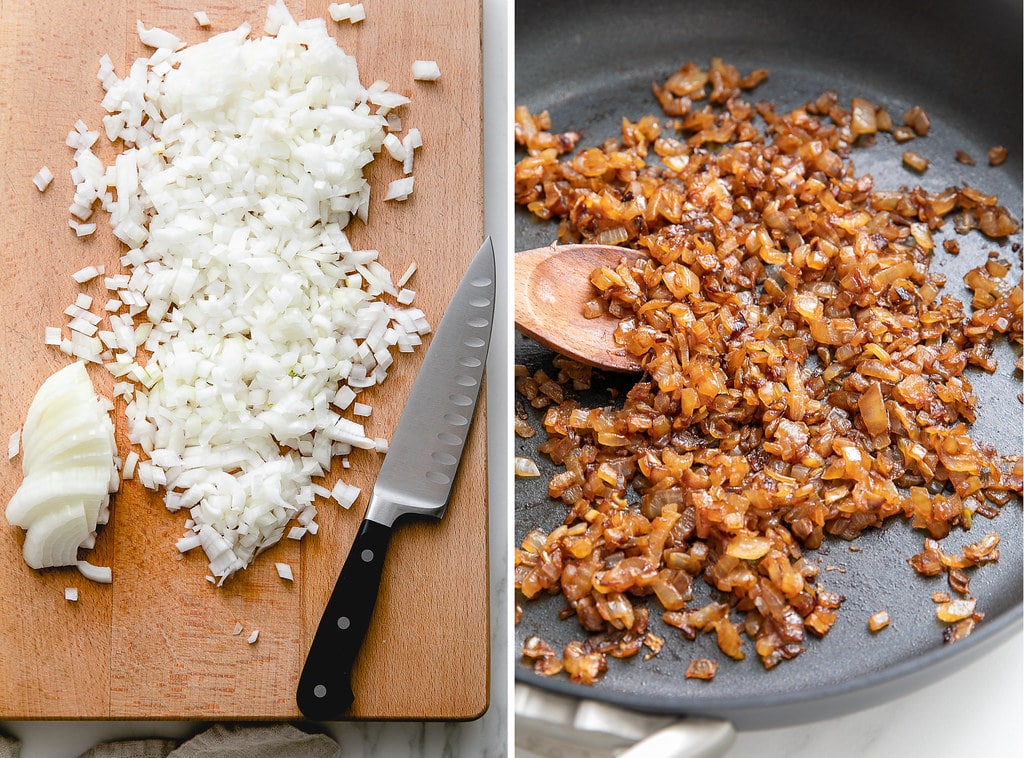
{"type": "Point", "coordinates": [416, 477]}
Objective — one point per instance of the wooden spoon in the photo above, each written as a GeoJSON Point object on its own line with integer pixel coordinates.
{"type": "Point", "coordinates": [552, 284]}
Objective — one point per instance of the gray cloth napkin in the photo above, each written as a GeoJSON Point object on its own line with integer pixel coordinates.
{"type": "Point", "coordinates": [151, 748]}
{"type": "Point", "coordinates": [9, 747]}
{"type": "Point", "coordinates": [223, 741]}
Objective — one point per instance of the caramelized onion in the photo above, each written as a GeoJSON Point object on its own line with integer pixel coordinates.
{"type": "Point", "coordinates": [804, 374]}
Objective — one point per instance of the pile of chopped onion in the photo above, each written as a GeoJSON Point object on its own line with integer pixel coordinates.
{"type": "Point", "coordinates": [803, 372]}
{"type": "Point", "coordinates": [244, 324]}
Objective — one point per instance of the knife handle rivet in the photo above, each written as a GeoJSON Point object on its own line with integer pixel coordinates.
{"type": "Point", "coordinates": [366, 555]}
{"type": "Point", "coordinates": [344, 623]}
{"type": "Point", "coordinates": [320, 691]}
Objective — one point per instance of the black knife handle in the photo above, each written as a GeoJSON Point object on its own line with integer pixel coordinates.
{"type": "Point", "coordinates": [325, 686]}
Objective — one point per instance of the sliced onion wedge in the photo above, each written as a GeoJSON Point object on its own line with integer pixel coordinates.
{"type": "Point", "coordinates": [69, 469]}
{"type": "Point", "coordinates": [54, 538]}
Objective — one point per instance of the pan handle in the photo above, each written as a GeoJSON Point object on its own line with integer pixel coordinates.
{"type": "Point", "coordinates": [549, 725]}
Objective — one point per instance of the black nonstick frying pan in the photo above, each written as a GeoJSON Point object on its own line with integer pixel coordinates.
{"type": "Point", "coordinates": [590, 63]}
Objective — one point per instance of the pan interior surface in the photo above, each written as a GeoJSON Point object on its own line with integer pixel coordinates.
{"type": "Point", "coordinates": [591, 63]}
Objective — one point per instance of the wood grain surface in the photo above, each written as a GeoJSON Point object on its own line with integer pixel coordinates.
{"type": "Point", "coordinates": [158, 642]}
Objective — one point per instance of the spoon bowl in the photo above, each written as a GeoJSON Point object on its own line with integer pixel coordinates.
{"type": "Point", "coordinates": [552, 285]}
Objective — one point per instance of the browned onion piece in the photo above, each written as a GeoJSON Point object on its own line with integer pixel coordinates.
{"type": "Point", "coordinates": [702, 668]}
{"type": "Point", "coordinates": [878, 621]}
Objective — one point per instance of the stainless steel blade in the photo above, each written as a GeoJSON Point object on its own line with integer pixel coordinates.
{"type": "Point", "coordinates": [424, 455]}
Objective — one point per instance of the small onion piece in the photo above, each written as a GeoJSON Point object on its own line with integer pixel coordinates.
{"type": "Point", "coordinates": [425, 71]}
{"type": "Point", "coordinates": [702, 668]}
{"type": "Point", "coordinates": [915, 161]}
{"type": "Point", "coordinates": [399, 189]}
{"type": "Point", "coordinates": [525, 467]}
{"type": "Point", "coordinates": [101, 574]}
{"type": "Point", "coordinates": [878, 621]}
{"type": "Point", "coordinates": [351, 12]}
{"type": "Point", "coordinates": [284, 571]}
{"type": "Point", "coordinates": [997, 155]}
{"type": "Point", "coordinates": [43, 178]}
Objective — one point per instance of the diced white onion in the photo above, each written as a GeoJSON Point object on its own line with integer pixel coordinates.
{"type": "Point", "coordinates": [426, 71]}
{"type": "Point", "coordinates": [345, 494]}
{"type": "Point", "coordinates": [201, 18]}
{"type": "Point", "coordinates": [351, 12]}
{"type": "Point", "coordinates": [284, 571]}
{"type": "Point", "coordinates": [86, 274]}
{"type": "Point", "coordinates": [82, 230]}
{"type": "Point", "coordinates": [405, 277]}
{"type": "Point", "coordinates": [158, 38]}
{"type": "Point", "coordinates": [254, 636]}
{"type": "Point", "coordinates": [42, 179]}
{"type": "Point", "coordinates": [14, 444]}
{"type": "Point", "coordinates": [130, 461]}
{"type": "Point", "coordinates": [395, 147]}
{"type": "Point", "coordinates": [188, 542]}
{"type": "Point", "coordinates": [399, 189]}
{"type": "Point", "coordinates": [413, 140]}
{"type": "Point", "coordinates": [71, 594]}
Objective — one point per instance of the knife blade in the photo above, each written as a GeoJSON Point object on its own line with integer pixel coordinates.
{"type": "Point", "coordinates": [416, 478]}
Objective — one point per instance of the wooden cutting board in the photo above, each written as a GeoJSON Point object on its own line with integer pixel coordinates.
{"type": "Point", "coordinates": [158, 642]}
